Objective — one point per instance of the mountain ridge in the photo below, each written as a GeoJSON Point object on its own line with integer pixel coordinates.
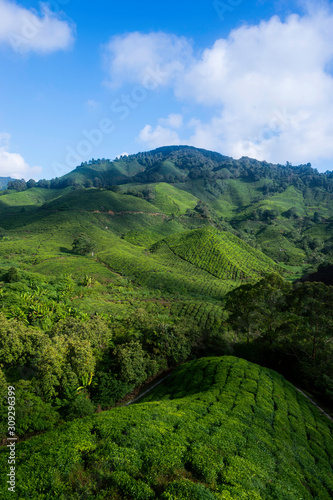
{"type": "Point", "coordinates": [184, 162]}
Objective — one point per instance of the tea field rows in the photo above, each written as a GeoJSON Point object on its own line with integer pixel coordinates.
{"type": "Point", "coordinates": [217, 428]}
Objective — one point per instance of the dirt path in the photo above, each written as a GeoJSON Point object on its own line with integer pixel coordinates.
{"type": "Point", "coordinates": [148, 390]}
{"type": "Point", "coordinates": [315, 404]}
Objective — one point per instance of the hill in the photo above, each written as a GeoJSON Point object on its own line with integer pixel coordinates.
{"type": "Point", "coordinates": [183, 164]}
{"type": "Point", "coordinates": [219, 428]}
{"type": "Point", "coordinates": [168, 254]}
{"type": "Point", "coordinates": [283, 210]}
{"type": "Point", "coordinates": [221, 253]}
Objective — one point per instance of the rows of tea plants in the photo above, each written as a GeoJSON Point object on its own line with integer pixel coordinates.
{"type": "Point", "coordinates": [207, 315]}
{"type": "Point", "coordinates": [217, 428]}
{"type": "Point", "coordinates": [165, 271]}
{"type": "Point", "coordinates": [220, 253]}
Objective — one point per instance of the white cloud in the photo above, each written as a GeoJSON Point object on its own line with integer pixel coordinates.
{"type": "Point", "coordinates": [159, 136]}
{"type": "Point", "coordinates": [174, 120]}
{"type": "Point", "coordinates": [146, 58]}
{"type": "Point", "coordinates": [268, 87]}
{"type": "Point", "coordinates": [29, 31]}
{"type": "Point", "coordinates": [13, 164]}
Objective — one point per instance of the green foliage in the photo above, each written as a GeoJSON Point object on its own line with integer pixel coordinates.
{"type": "Point", "coordinates": [220, 253]}
{"type": "Point", "coordinates": [12, 275]}
{"type": "Point", "coordinates": [215, 428]}
{"type": "Point", "coordinates": [109, 389]}
{"type": "Point", "coordinates": [186, 490]}
{"type": "Point", "coordinates": [131, 359]}
{"type": "Point", "coordinates": [180, 271]}
{"type": "Point", "coordinates": [80, 407]}
{"type": "Point", "coordinates": [82, 245]}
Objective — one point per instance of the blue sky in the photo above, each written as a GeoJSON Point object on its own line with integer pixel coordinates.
{"type": "Point", "coordinates": [84, 80]}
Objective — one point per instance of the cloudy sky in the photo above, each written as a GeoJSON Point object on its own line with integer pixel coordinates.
{"type": "Point", "coordinates": [82, 80]}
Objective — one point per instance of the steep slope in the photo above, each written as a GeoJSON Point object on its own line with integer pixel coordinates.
{"type": "Point", "coordinates": [222, 254]}
{"type": "Point", "coordinates": [217, 428]}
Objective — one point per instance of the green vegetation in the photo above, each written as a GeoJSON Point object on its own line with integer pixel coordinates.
{"type": "Point", "coordinates": [217, 428]}
{"type": "Point", "coordinates": [120, 271]}
{"type": "Point", "coordinates": [82, 245]}
{"type": "Point", "coordinates": [222, 254]}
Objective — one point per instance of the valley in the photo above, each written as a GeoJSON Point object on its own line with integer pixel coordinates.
{"type": "Point", "coordinates": [175, 259]}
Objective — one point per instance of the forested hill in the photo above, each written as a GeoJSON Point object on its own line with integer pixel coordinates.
{"type": "Point", "coordinates": [180, 164]}
{"type": "Point", "coordinates": [185, 163]}
{"type": "Point", "coordinates": [282, 210]}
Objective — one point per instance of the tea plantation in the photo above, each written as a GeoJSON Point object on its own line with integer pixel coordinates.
{"type": "Point", "coordinates": [217, 428]}
{"type": "Point", "coordinates": [123, 271]}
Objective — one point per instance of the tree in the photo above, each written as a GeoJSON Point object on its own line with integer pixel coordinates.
{"type": "Point", "coordinates": [97, 182]}
{"type": "Point", "coordinates": [255, 309]}
{"type": "Point", "coordinates": [12, 275]}
{"type": "Point", "coordinates": [132, 362]}
{"type": "Point", "coordinates": [17, 185]}
{"type": "Point", "coordinates": [43, 183]}
{"type": "Point", "coordinates": [82, 245]}
{"type": "Point", "coordinates": [31, 183]}
{"type": "Point", "coordinates": [311, 302]}
{"type": "Point", "coordinates": [291, 213]}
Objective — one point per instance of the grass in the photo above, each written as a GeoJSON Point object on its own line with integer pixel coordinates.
{"type": "Point", "coordinates": [172, 200]}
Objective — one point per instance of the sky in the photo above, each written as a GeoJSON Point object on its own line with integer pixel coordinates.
{"type": "Point", "coordinates": [82, 80]}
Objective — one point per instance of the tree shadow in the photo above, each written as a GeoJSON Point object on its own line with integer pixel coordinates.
{"type": "Point", "coordinates": [66, 250]}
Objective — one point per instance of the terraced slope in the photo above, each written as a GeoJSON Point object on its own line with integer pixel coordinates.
{"type": "Point", "coordinates": [220, 253]}
{"type": "Point", "coordinates": [217, 428]}
{"type": "Point", "coordinates": [165, 271]}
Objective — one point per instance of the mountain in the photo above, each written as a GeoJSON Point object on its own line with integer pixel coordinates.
{"type": "Point", "coordinates": [186, 163]}
{"type": "Point", "coordinates": [284, 211]}
{"type": "Point", "coordinates": [4, 182]}
{"type": "Point", "coordinates": [177, 261]}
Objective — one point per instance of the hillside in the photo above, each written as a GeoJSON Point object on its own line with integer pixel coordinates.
{"type": "Point", "coordinates": [283, 210]}
{"type": "Point", "coordinates": [217, 428]}
{"type": "Point", "coordinates": [106, 286]}
{"type": "Point", "coordinates": [222, 254]}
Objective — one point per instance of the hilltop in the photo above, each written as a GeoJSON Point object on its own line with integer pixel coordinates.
{"type": "Point", "coordinates": [186, 163]}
